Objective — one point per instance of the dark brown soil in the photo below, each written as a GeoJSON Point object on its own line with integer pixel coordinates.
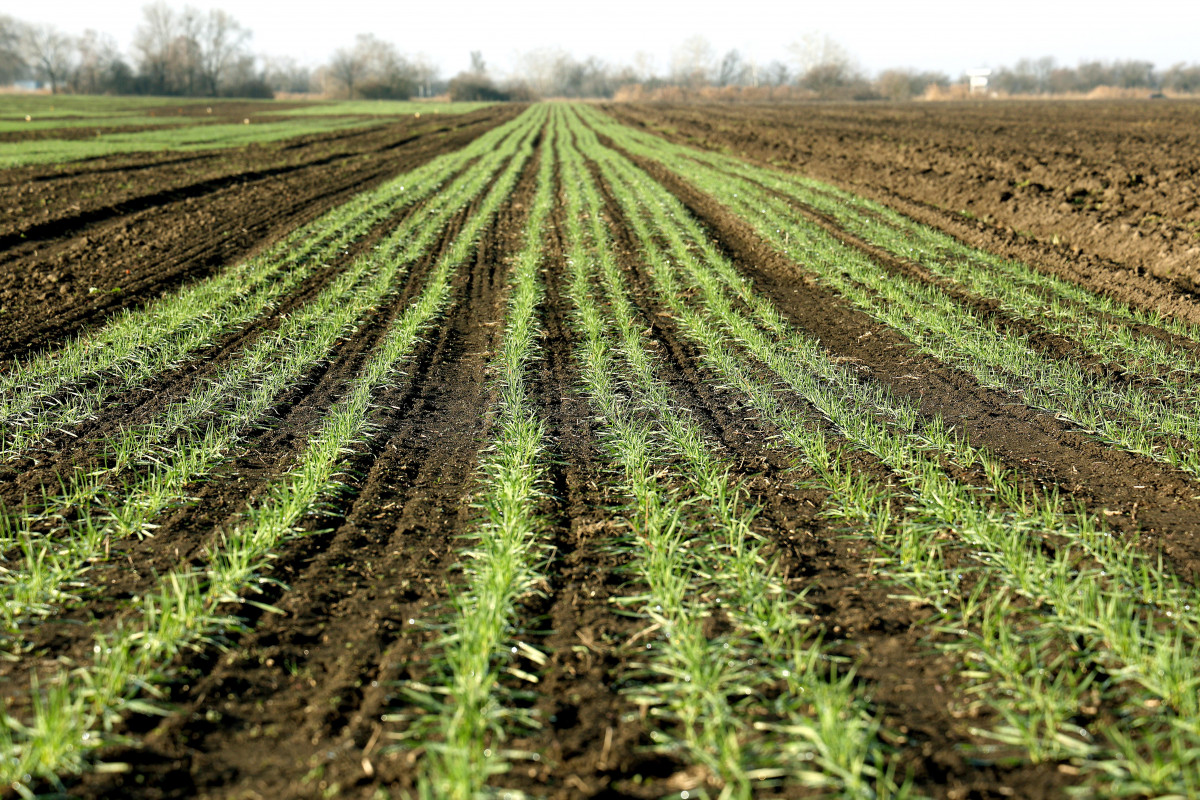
{"type": "Point", "coordinates": [1132, 493]}
{"type": "Point", "coordinates": [305, 689]}
{"type": "Point", "coordinates": [86, 239]}
{"type": "Point", "coordinates": [1103, 193]}
{"type": "Point", "coordinates": [295, 705]}
{"type": "Point", "coordinates": [213, 113]}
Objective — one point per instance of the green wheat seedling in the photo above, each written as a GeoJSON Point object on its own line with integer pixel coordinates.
{"type": "Point", "coordinates": [137, 345]}
{"type": "Point", "coordinates": [79, 709]}
{"type": "Point", "coordinates": [1112, 613]}
{"type": "Point", "coordinates": [1127, 416]}
{"type": "Point", "coordinates": [181, 138]}
{"type": "Point", "coordinates": [696, 676]}
{"type": "Point", "coordinates": [1023, 290]}
{"type": "Point", "coordinates": [931, 435]}
{"type": "Point", "coordinates": [466, 716]}
{"type": "Point", "coordinates": [1171, 370]}
{"type": "Point", "coordinates": [178, 451]}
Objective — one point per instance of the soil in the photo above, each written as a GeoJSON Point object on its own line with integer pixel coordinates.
{"type": "Point", "coordinates": [214, 113]}
{"type": "Point", "coordinates": [83, 240]}
{"type": "Point", "coordinates": [886, 637]}
{"type": "Point", "coordinates": [1103, 193]}
{"type": "Point", "coordinates": [1166, 515]}
{"type": "Point", "coordinates": [299, 703]}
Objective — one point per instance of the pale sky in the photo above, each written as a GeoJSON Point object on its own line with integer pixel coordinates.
{"type": "Point", "coordinates": [926, 34]}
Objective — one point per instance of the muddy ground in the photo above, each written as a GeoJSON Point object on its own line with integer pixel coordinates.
{"type": "Point", "coordinates": [82, 240]}
{"type": "Point", "coordinates": [1106, 193]}
{"type": "Point", "coordinates": [294, 707]}
{"type": "Point", "coordinates": [215, 112]}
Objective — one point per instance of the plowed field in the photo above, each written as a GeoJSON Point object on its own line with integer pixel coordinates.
{"type": "Point", "coordinates": [594, 452]}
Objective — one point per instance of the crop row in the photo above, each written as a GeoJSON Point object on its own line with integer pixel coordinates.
{"type": "Point", "coordinates": [1074, 646]}
{"type": "Point", "coordinates": [146, 469]}
{"type": "Point", "coordinates": [1138, 621]}
{"type": "Point", "coordinates": [458, 710]}
{"type": "Point", "coordinates": [74, 711]}
{"type": "Point", "coordinates": [1152, 416]}
{"type": "Point", "coordinates": [181, 138]}
{"type": "Point", "coordinates": [171, 132]}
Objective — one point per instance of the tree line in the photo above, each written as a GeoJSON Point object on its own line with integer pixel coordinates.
{"type": "Point", "coordinates": [190, 52]}
{"type": "Point", "coordinates": [185, 52]}
{"type": "Point", "coordinates": [1046, 76]}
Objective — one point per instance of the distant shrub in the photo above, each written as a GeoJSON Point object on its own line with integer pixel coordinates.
{"type": "Point", "coordinates": [472, 87]}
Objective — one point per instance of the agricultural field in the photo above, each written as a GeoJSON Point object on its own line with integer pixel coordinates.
{"type": "Point", "coordinates": [48, 129]}
{"type": "Point", "coordinates": [580, 451]}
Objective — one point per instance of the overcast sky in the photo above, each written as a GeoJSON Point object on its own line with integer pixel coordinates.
{"type": "Point", "coordinates": [926, 34]}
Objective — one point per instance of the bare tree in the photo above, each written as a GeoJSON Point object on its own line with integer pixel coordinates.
{"type": "Point", "coordinates": [425, 73]}
{"type": "Point", "coordinates": [475, 84]}
{"type": "Point", "coordinates": [243, 78]}
{"type": "Point", "coordinates": [478, 65]}
{"type": "Point", "coordinates": [51, 53]}
{"type": "Point", "coordinates": [1134, 74]}
{"type": "Point", "coordinates": [347, 67]}
{"type": "Point", "coordinates": [905, 84]}
{"type": "Point", "coordinates": [542, 69]}
{"type": "Point", "coordinates": [824, 66]}
{"type": "Point", "coordinates": [12, 57]}
{"type": "Point", "coordinates": [692, 62]}
{"type": "Point", "coordinates": [1182, 78]}
{"type": "Point", "coordinates": [388, 73]}
{"type": "Point", "coordinates": [189, 51]}
{"type": "Point", "coordinates": [643, 66]}
{"type": "Point", "coordinates": [817, 50]}
{"type": "Point", "coordinates": [222, 45]}
{"type": "Point", "coordinates": [555, 73]}
{"type": "Point", "coordinates": [287, 75]}
{"type": "Point", "coordinates": [775, 74]}
{"type": "Point", "coordinates": [152, 41]}
{"type": "Point", "coordinates": [185, 51]}
{"type": "Point", "coordinates": [374, 68]}
{"type": "Point", "coordinates": [732, 70]}
{"type": "Point", "coordinates": [99, 64]}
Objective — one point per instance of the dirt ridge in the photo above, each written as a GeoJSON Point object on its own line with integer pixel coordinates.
{"type": "Point", "coordinates": [1154, 504]}
{"type": "Point", "coordinates": [52, 289]}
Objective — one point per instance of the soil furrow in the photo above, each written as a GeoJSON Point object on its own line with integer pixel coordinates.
{"type": "Point", "coordinates": [51, 289]}
{"type": "Point", "coordinates": [913, 686]}
{"type": "Point", "coordinates": [297, 710]}
{"type": "Point", "coordinates": [588, 740]}
{"type": "Point", "coordinates": [26, 477]}
{"type": "Point", "coordinates": [1135, 496]}
{"type": "Point", "coordinates": [1061, 186]}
